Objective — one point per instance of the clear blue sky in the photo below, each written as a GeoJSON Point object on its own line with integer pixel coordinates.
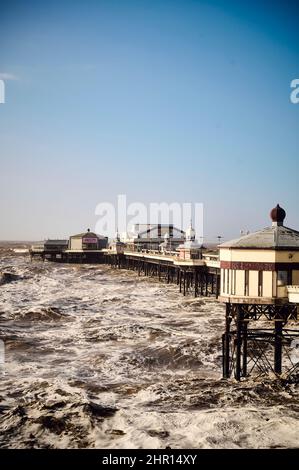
{"type": "Point", "coordinates": [182, 101]}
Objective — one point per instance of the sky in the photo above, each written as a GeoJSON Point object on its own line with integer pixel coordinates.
{"type": "Point", "coordinates": [163, 101]}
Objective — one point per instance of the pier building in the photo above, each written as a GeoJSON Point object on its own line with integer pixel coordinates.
{"type": "Point", "coordinates": [116, 246]}
{"type": "Point", "coordinates": [49, 249]}
{"type": "Point", "coordinates": [259, 281]}
{"type": "Point", "coordinates": [87, 241]}
{"type": "Point", "coordinates": [151, 236]}
{"type": "Point", "coordinates": [190, 249]}
{"type": "Point", "coordinates": [86, 247]}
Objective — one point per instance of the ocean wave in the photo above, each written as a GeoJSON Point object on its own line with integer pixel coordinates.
{"type": "Point", "coordinates": [97, 357]}
{"type": "Point", "coordinates": [40, 314]}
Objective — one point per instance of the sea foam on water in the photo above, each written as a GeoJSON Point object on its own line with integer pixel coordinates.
{"type": "Point", "coordinates": [103, 358]}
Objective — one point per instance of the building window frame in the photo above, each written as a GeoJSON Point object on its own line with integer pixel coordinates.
{"type": "Point", "coordinates": [260, 283]}
{"type": "Point", "coordinates": [227, 281]}
{"type": "Point", "coordinates": [282, 278]}
{"type": "Point", "coordinates": [234, 278]}
{"type": "Point", "coordinates": [246, 283]}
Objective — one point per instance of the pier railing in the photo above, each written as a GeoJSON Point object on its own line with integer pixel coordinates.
{"type": "Point", "coordinates": [173, 254]}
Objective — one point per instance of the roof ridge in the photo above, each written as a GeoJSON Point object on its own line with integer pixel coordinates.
{"type": "Point", "coordinates": [273, 237]}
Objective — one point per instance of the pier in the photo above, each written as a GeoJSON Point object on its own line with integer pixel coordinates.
{"type": "Point", "coordinates": [196, 277]}
{"type": "Point", "coordinates": [256, 277]}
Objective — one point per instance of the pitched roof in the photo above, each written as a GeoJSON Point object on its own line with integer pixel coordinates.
{"type": "Point", "coordinates": [276, 237]}
{"type": "Point", "coordinates": [56, 242]}
{"type": "Point", "coordinates": [85, 234]}
{"type": "Point", "coordinates": [151, 228]}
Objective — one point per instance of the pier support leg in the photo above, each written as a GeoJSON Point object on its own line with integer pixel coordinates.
{"type": "Point", "coordinates": [217, 285]}
{"type": "Point", "coordinates": [238, 345]}
{"type": "Point", "coordinates": [201, 283]}
{"type": "Point", "coordinates": [226, 339]}
{"type": "Point", "coordinates": [244, 362]}
{"type": "Point", "coordinates": [278, 347]}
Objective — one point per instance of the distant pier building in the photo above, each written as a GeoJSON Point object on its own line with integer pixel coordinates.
{"type": "Point", "coordinates": [86, 247]}
{"type": "Point", "coordinates": [151, 236]}
{"type": "Point", "coordinates": [190, 249]}
{"type": "Point", "coordinates": [87, 241]}
{"type": "Point", "coordinates": [116, 246]}
{"type": "Point", "coordinates": [49, 249]}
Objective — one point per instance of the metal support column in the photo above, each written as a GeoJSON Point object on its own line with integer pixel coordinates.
{"type": "Point", "coordinates": [239, 324]}
{"type": "Point", "coordinates": [278, 347]}
{"type": "Point", "coordinates": [226, 341]}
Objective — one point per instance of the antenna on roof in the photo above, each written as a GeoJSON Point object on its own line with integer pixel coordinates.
{"type": "Point", "coordinates": [243, 232]}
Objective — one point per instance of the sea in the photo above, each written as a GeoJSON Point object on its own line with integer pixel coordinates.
{"type": "Point", "coordinates": [95, 357]}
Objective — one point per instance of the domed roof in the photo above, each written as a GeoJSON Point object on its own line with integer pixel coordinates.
{"type": "Point", "coordinates": [278, 215]}
{"type": "Point", "coordinates": [276, 237]}
{"type": "Point", "coordinates": [190, 233]}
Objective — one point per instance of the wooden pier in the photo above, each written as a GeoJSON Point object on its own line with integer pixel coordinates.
{"type": "Point", "coordinates": [245, 350]}
{"type": "Point", "coordinates": [200, 277]}
{"type": "Point", "coordinates": [195, 277]}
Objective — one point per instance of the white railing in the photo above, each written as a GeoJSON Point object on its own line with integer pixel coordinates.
{"type": "Point", "coordinates": [293, 293]}
{"type": "Point", "coordinates": [166, 253]}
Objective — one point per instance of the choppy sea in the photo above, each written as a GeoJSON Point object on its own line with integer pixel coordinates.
{"type": "Point", "coordinates": [96, 357]}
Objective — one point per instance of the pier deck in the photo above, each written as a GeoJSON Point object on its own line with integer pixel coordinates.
{"type": "Point", "coordinates": [196, 276]}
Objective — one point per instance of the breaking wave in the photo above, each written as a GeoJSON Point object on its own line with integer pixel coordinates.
{"type": "Point", "coordinates": [96, 357]}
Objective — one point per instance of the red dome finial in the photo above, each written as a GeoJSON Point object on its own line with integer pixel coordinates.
{"type": "Point", "coordinates": [278, 215]}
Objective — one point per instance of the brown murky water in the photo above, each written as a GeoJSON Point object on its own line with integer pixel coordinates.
{"type": "Point", "coordinates": [102, 358]}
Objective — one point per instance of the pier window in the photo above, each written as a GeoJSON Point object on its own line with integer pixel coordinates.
{"type": "Point", "coordinates": [260, 287]}
{"type": "Point", "coordinates": [233, 282]}
{"type": "Point", "coordinates": [295, 277]}
{"type": "Point", "coordinates": [274, 283]}
{"type": "Point", "coordinates": [282, 278]}
{"type": "Point", "coordinates": [227, 281]}
{"type": "Point", "coordinates": [223, 279]}
{"type": "Point", "coordinates": [246, 283]}
{"type": "Point", "coordinates": [89, 246]}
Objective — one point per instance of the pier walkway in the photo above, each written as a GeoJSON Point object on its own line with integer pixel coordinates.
{"type": "Point", "coordinates": [195, 276]}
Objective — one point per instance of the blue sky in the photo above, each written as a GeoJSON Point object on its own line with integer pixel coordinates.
{"type": "Point", "coordinates": [185, 101]}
